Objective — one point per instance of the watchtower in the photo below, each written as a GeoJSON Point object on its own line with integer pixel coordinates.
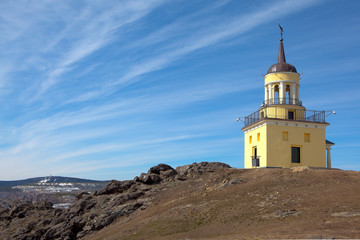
{"type": "Point", "coordinates": [282, 132]}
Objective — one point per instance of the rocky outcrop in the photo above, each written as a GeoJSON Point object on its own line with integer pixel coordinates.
{"type": "Point", "coordinates": [200, 168]}
{"type": "Point", "coordinates": [160, 168]}
{"type": "Point", "coordinates": [115, 187]}
{"type": "Point", "coordinates": [157, 174]}
{"type": "Point", "coordinates": [92, 212]}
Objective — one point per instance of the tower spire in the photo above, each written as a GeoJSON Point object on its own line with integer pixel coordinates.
{"type": "Point", "coordinates": [281, 56]}
{"type": "Point", "coordinates": [281, 65]}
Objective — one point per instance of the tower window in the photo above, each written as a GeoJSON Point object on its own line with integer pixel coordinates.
{"type": "Point", "coordinates": [288, 94]}
{"type": "Point", "coordinates": [254, 152]}
{"type": "Point", "coordinates": [295, 154]}
{"type": "Point", "coordinates": [291, 115]}
{"type": "Point", "coordinates": [258, 137]}
{"type": "Point", "coordinates": [306, 137]}
{"type": "Point", "coordinates": [255, 159]}
{"type": "Point", "coordinates": [276, 94]}
{"type": "Point", "coordinates": [285, 136]}
{"type": "Point", "coordinates": [250, 140]}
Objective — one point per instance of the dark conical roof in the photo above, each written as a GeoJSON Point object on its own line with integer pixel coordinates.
{"type": "Point", "coordinates": [281, 65]}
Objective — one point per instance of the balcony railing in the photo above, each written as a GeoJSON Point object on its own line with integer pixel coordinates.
{"type": "Point", "coordinates": [255, 161]}
{"type": "Point", "coordinates": [284, 101]}
{"type": "Point", "coordinates": [286, 114]}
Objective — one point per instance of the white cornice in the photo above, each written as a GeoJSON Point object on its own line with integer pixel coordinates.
{"type": "Point", "coordinates": [278, 81]}
{"type": "Point", "coordinates": [287, 123]}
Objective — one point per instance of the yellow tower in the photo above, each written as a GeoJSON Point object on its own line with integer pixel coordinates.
{"type": "Point", "coordinates": [282, 132]}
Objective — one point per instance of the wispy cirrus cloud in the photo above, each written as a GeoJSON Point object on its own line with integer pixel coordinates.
{"type": "Point", "coordinates": [73, 132]}
{"type": "Point", "coordinates": [207, 36]}
{"type": "Point", "coordinates": [83, 31]}
{"type": "Point", "coordinates": [93, 31]}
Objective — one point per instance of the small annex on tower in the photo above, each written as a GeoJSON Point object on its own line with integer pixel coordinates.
{"type": "Point", "coordinates": [282, 132]}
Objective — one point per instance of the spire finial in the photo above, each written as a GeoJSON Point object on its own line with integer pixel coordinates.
{"type": "Point", "coordinates": [281, 31]}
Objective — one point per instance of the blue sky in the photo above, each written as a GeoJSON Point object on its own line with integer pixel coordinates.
{"type": "Point", "coordinates": [107, 89]}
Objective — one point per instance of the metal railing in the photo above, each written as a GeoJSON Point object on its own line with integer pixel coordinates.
{"type": "Point", "coordinates": [285, 101]}
{"type": "Point", "coordinates": [286, 114]}
{"type": "Point", "coordinates": [255, 161]}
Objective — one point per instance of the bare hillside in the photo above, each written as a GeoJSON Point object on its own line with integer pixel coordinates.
{"type": "Point", "coordinates": [200, 201]}
{"type": "Point", "coordinates": [247, 204]}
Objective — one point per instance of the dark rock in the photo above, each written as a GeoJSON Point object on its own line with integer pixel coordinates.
{"type": "Point", "coordinates": [116, 187]}
{"type": "Point", "coordinates": [145, 188]}
{"type": "Point", "coordinates": [76, 225]}
{"type": "Point", "coordinates": [15, 210]}
{"type": "Point", "coordinates": [58, 220]}
{"type": "Point", "coordinates": [180, 178]}
{"type": "Point", "coordinates": [285, 213]}
{"type": "Point", "coordinates": [80, 195]}
{"type": "Point", "coordinates": [159, 168]}
{"type": "Point", "coordinates": [156, 174]}
{"type": "Point", "coordinates": [123, 198]}
{"type": "Point", "coordinates": [134, 188]}
{"type": "Point", "coordinates": [54, 231]}
{"type": "Point", "coordinates": [150, 178]}
{"type": "Point", "coordinates": [142, 176]}
{"type": "Point", "coordinates": [83, 204]}
{"type": "Point", "coordinates": [43, 205]}
{"type": "Point", "coordinates": [200, 168]}
{"type": "Point", "coordinates": [106, 219]}
{"type": "Point", "coordinates": [37, 233]}
{"type": "Point", "coordinates": [236, 181]}
{"type": "Point", "coordinates": [21, 214]}
{"type": "Point", "coordinates": [168, 173]}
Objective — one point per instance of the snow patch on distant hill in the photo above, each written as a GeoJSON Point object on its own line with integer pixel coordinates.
{"type": "Point", "coordinates": [53, 185]}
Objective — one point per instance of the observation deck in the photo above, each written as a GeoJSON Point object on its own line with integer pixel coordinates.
{"type": "Point", "coordinates": [274, 111]}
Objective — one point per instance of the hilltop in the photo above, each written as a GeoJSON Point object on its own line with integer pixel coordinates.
{"type": "Point", "coordinates": [202, 201]}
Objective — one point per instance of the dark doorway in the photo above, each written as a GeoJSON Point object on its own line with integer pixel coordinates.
{"type": "Point", "coordinates": [255, 158]}
{"type": "Point", "coordinates": [295, 154]}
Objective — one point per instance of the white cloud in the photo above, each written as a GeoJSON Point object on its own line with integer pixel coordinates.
{"type": "Point", "coordinates": [94, 32]}
{"type": "Point", "coordinates": [198, 40]}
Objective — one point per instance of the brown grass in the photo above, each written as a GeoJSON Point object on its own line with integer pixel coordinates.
{"type": "Point", "coordinates": [269, 203]}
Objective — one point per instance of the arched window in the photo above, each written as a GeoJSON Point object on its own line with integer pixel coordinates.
{"type": "Point", "coordinates": [276, 94]}
{"type": "Point", "coordinates": [287, 94]}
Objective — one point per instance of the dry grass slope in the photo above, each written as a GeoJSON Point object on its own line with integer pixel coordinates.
{"type": "Point", "coordinates": [248, 204]}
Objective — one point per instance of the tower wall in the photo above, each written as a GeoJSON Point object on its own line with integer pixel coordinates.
{"type": "Point", "coordinates": [261, 145]}
{"type": "Point", "coordinates": [312, 146]}
{"type": "Point", "coordinates": [282, 112]}
{"type": "Point", "coordinates": [274, 148]}
{"type": "Point", "coordinates": [284, 76]}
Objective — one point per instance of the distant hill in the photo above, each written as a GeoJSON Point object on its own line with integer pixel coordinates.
{"type": "Point", "coordinates": [61, 191]}
{"type": "Point", "coordinates": [6, 186]}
